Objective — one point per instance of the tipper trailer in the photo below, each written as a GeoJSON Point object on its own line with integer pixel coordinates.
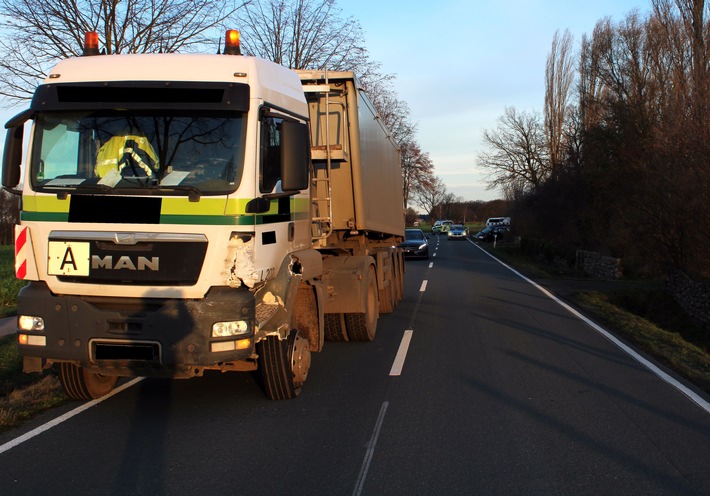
{"type": "Point", "coordinates": [183, 212]}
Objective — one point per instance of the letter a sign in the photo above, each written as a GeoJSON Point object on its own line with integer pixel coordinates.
{"type": "Point", "coordinates": [68, 258]}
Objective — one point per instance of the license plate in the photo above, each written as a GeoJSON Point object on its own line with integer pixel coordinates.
{"type": "Point", "coordinates": [68, 258]}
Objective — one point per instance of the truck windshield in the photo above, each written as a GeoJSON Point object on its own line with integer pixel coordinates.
{"type": "Point", "coordinates": [167, 151]}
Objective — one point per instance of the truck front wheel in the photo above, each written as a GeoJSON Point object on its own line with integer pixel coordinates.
{"type": "Point", "coordinates": [82, 384]}
{"type": "Point", "coordinates": [284, 365]}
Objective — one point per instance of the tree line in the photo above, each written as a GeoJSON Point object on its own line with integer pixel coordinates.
{"type": "Point", "coordinates": [618, 161]}
{"type": "Point", "coordinates": [299, 34]}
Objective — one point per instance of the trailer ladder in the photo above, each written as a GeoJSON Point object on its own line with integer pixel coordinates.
{"type": "Point", "coordinates": [321, 188]}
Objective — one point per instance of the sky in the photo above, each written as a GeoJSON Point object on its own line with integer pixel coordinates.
{"type": "Point", "coordinates": [460, 63]}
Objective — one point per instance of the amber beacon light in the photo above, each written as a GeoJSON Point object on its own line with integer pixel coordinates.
{"type": "Point", "coordinates": [91, 43]}
{"type": "Point", "coordinates": [231, 43]}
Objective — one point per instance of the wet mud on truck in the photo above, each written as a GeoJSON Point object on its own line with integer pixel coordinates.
{"type": "Point", "coordinates": [183, 213]}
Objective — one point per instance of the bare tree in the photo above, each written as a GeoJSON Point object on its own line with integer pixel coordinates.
{"type": "Point", "coordinates": [395, 113]}
{"type": "Point", "coordinates": [517, 159]}
{"type": "Point", "coordinates": [431, 195]}
{"type": "Point", "coordinates": [559, 76]}
{"type": "Point", "coordinates": [37, 33]}
{"type": "Point", "coordinates": [417, 169]}
{"type": "Point", "coordinates": [306, 34]}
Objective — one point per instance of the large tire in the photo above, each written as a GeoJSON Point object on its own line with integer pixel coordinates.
{"type": "Point", "coordinates": [387, 295]}
{"type": "Point", "coordinates": [284, 365]}
{"type": "Point", "coordinates": [399, 257]}
{"type": "Point", "coordinates": [386, 298]}
{"type": "Point", "coordinates": [363, 326]}
{"type": "Point", "coordinates": [81, 384]}
{"type": "Point", "coordinates": [334, 327]}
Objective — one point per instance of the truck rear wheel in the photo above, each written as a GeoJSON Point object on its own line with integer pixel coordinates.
{"type": "Point", "coordinates": [81, 384]}
{"type": "Point", "coordinates": [334, 327]}
{"type": "Point", "coordinates": [400, 276]}
{"type": "Point", "coordinates": [284, 365]}
{"type": "Point", "coordinates": [387, 297]}
{"type": "Point", "coordinates": [363, 326]}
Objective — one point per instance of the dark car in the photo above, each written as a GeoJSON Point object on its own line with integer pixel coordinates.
{"type": "Point", "coordinates": [415, 244]}
{"type": "Point", "coordinates": [492, 233]}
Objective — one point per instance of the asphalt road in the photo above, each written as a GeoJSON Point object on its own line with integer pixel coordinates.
{"type": "Point", "coordinates": [501, 390]}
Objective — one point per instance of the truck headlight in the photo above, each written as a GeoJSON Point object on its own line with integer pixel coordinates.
{"type": "Point", "coordinates": [231, 328]}
{"type": "Point", "coordinates": [30, 323]}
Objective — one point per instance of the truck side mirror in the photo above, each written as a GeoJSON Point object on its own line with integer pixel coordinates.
{"type": "Point", "coordinates": [295, 156]}
{"type": "Point", "coordinates": [12, 157]}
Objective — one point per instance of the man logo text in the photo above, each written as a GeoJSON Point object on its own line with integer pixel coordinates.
{"type": "Point", "coordinates": [125, 263]}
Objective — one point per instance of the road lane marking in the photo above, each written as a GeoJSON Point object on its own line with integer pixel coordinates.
{"type": "Point", "coordinates": [422, 288]}
{"type": "Point", "coordinates": [431, 264]}
{"type": "Point", "coordinates": [370, 450]}
{"type": "Point", "coordinates": [55, 422]}
{"type": "Point", "coordinates": [655, 370]}
{"type": "Point", "coordinates": [398, 364]}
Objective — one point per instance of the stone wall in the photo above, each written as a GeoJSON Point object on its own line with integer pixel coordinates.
{"type": "Point", "coordinates": [599, 266]}
{"type": "Point", "coordinates": [692, 296]}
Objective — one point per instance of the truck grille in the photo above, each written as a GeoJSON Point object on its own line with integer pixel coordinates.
{"type": "Point", "coordinates": [150, 259]}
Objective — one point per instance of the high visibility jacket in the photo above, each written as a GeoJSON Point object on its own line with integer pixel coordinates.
{"type": "Point", "coordinates": [116, 153]}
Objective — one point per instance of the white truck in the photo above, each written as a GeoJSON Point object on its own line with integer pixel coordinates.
{"type": "Point", "coordinates": [178, 215]}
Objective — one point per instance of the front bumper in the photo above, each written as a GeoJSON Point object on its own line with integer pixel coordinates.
{"type": "Point", "coordinates": [137, 336]}
{"type": "Point", "coordinates": [409, 251]}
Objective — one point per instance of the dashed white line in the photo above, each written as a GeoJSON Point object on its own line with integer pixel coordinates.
{"type": "Point", "coordinates": [401, 353]}
{"type": "Point", "coordinates": [422, 288]}
{"type": "Point", "coordinates": [370, 450]}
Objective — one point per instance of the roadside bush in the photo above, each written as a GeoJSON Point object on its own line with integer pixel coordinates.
{"type": "Point", "coordinates": [548, 252]}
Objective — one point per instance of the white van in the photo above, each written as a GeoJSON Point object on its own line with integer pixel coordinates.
{"type": "Point", "coordinates": [498, 221]}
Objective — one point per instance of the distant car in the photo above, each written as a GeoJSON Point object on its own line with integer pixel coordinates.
{"type": "Point", "coordinates": [491, 233]}
{"type": "Point", "coordinates": [415, 244]}
{"type": "Point", "coordinates": [441, 226]}
{"type": "Point", "coordinates": [457, 231]}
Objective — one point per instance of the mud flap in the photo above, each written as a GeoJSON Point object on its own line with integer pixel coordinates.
{"type": "Point", "coordinates": [343, 280]}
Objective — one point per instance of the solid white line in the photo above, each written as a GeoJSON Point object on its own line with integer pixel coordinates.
{"type": "Point", "coordinates": [672, 381]}
{"type": "Point", "coordinates": [53, 423]}
{"type": "Point", "coordinates": [370, 450]}
{"type": "Point", "coordinates": [422, 288]}
{"type": "Point", "coordinates": [401, 353]}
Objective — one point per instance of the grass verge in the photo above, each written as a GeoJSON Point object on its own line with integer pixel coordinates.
{"type": "Point", "coordinates": [22, 396]}
{"type": "Point", "coordinates": [669, 347]}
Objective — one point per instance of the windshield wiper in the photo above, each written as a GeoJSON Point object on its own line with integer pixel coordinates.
{"type": "Point", "coordinates": [193, 195]}
{"type": "Point", "coordinates": [65, 189]}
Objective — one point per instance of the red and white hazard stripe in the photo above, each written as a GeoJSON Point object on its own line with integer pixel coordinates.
{"type": "Point", "coordinates": [21, 247]}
